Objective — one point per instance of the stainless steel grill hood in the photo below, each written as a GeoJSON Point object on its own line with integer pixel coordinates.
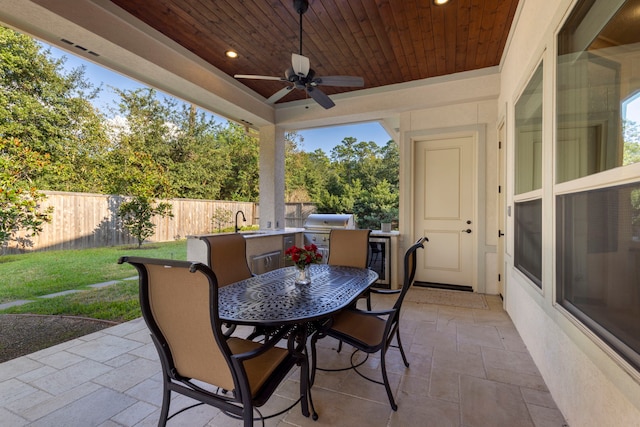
{"type": "Point", "coordinates": [327, 222]}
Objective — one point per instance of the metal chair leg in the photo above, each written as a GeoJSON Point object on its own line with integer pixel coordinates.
{"type": "Point", "coordinates": [385, 378]}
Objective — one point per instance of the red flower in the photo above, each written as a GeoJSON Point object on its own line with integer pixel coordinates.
{"type": "Point", "coordinates": [303, 256]}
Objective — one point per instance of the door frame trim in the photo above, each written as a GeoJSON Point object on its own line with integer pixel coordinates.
{"type": "Point", "coordinates": [478, 134]}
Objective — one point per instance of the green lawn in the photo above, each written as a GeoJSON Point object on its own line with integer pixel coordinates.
{"type": "Point", "coordinates": [28, 276]}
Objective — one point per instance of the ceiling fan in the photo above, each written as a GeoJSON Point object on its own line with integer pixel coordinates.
{"type": "Point", "coordinates": [300, 75]}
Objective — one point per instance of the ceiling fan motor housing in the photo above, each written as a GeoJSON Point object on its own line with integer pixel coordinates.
{"type": "Point", "coordinates": [301, 6]}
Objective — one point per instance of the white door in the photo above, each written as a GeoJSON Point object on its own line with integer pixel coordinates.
{"type": "Point", "coordinates": [444, 210]}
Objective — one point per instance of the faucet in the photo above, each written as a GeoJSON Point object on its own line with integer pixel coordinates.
{"type": "Point", "coordinates": [243, 219]}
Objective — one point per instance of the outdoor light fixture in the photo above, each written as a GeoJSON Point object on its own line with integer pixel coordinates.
{"type": "Point", "coordinates": [231, 54]}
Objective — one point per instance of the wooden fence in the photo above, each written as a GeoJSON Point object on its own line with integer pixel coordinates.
{"type": "Point", "coordinates": [84, 220]}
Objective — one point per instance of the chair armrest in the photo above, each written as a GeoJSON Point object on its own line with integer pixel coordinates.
{"type": "Point", "coordinates": [384, 291]}
{"type": "Point", "coordinates": [375, 312]}
{"type": "Point", "coordinates": [268, 344]}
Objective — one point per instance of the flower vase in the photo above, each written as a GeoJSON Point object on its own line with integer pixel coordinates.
{"type": "Point", "coordinates": [304, 276]}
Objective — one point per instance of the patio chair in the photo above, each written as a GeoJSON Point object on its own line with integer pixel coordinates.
{"type": "Point", "coordinates": [371, 331]}
{"type": "Point", "coordinates": [179, 302]}
{"type": "Point", "coordinates": [350, 248]}
{"type": "Point", "coordinates": [227, 256]}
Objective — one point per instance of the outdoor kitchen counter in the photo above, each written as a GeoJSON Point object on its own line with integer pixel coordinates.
{"type": "Point", "coordinates": [259, 243]}
{"type": "Point", "coordinates": [379, 233]}
{"type": "Point", "coordinates": [265, 249]}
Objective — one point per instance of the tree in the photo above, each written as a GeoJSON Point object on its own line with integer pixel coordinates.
{"type": "Point", "coordinates": [19, 199]}
{"type": "Point", "coordinates": [50, 113]}
{"type": "Point", "coordinates": [137, 215]}
{"type": "Point", "coordinates": [240, 151]}
{"type": "Point", "coordinates": [631, 133]}
{"type": "Point", "coordinates": [221, 217]}
{"type": "Point", "coordinates": [140, 160]}
{"type": "Point", "coordinates": [197, 163]}
{"type": "Point", "coordinates": [361, 178]}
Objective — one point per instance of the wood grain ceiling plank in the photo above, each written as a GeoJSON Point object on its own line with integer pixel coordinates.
{"type": "Point", "coordinates": [416, 27]}
{"type": "Point", "coordinates": [374, 64]}
{"type": "Point", "coordinates": [506, 12]}
{"type": "Point", "coordinates": [451, 36]}
{"type": "Point", "coordinates": [235, 26]}
{"type": "Point", "coordinates": [462, 38]}
{"type": "Point", "coordinates": [404, 22]}
{"type": "Point", "coordinates": [484, 40]}
{"type": "Point", "coordinates": [439, 40]}
{"type": "Point", "coordinates": [333, 32]}
{"type": "Point", "coordinates": [384, 41]}
{"type": "Point", "coordinates": [362, 33]}
{"type": "Point", "coordinates": [475, 23]}
{"type": "Point", "coordinates": [494, 50]}
{"type": "Point", "coordinates": [334, 54]}
{"type": "Point", "coordinates": [428, 65]}
{"type": "Point", "coordinates": [390, 25]}
{"type": "Point", "coordinates": [260, 58]}
{"type": "Point", "coordinates": [388, 60]}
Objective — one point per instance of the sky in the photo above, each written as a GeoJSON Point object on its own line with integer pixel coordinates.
{"type": "Point", "coordinates": [322, 138]}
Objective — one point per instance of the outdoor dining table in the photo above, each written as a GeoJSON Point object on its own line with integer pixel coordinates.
{"type": "Point", "coordinates": [274, 300]}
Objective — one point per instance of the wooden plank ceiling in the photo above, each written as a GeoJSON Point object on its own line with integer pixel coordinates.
{"type": "Point", "coordinates": [384, 41]}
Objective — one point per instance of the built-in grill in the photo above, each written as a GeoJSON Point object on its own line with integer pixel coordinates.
{"type": "Point", "coordinates": [318, 226]}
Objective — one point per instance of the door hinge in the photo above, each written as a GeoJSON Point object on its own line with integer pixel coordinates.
{"type": "Point", "coordinates": [499, 145]}
{"type": "Point", "coordinates": [499, 189]}
{"type": "Point", "coordinates": [499, 278]}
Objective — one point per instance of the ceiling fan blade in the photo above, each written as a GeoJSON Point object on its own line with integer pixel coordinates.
{"type": "Point", "coordinates": [350, 81]}
{"type": "Point", "coordinates": [279, 95]}
{"type": "Point", "coordinates": [254, 77]}
{"type": "Point", "coordinates": [320, 97]}
{"type": "Point", "coordinates": [300, 64]}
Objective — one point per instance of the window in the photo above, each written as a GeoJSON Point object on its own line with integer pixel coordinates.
{"type": "Point", "coordinates": [598, 220]}
{"type": "Point", "coordinates": [528, 239]}
{"type": "Point", "coordinates": [528, 147]}
{"type": "Point", "coordinates": [528, 180]}
{"type": "Point", "coordinates": [599, 262]}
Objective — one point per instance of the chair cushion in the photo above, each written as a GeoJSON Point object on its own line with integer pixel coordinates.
{"type": "Point", "coordinates": [367, 329]}
{"type": "Point", "coordinates": [349, 248]}
{"type": "Point", "coordinates": [259, 368]}
{"type": "Point", "coordinates": [228, 258]}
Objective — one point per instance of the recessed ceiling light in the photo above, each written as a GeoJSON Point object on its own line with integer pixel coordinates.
{"type": "Point", "coordinates": [440, 2]}
{"type": "Point", "coordinates": [231, 54]}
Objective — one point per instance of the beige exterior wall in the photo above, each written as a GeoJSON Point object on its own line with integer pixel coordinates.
{"type": "Point", "coordinates": [591, 385]}
{"type": "Point", "coordinates": [473, 114]}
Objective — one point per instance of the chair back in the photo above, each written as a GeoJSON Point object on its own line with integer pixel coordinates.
{"type": "Point", "coordinates": [227, 256]}
{"type": "Point", "coordinates": [349, 248]}
{"type": "Point", "coordinates": [410, 262]}
{"type": "Point", "coordinates": [179, 302]}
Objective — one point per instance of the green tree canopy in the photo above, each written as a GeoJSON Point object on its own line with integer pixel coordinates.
{"type": "Point", "coordinates": [50, 112]}
{"type": "Point", "coordinates": [19, 199]}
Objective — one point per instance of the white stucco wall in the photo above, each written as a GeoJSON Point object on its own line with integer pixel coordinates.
{"type": "Point", "coordinates": [591, 385]}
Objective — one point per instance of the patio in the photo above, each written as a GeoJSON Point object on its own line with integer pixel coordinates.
{"type": "Point", "coordinates": [469, 368]}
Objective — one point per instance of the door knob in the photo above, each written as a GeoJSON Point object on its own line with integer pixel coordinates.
{"type": "Point", "coordinates": [467, 230]}
{"type": "Point", "coordinates": [500, 233]}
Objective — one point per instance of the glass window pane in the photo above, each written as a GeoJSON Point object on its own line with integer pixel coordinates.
{"type": "Point", "coordinates": [528, 239]}
{"type": "Point", "coordinates": [528, 146]}
{"type": "Point", "coordinates": [598, 267]}
{"type": "Point", "coordinates": [598, 71]}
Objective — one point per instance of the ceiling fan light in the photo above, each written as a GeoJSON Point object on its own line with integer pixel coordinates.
{"type": "Point", "coordinates": [440, 2]}
{"type": "Point", "coordinates": [231, 54]}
